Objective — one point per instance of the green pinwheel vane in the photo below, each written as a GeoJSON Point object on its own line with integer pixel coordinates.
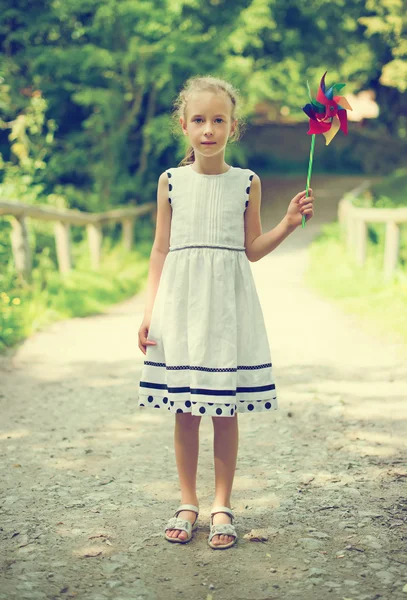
{"type": "Point", "coordinates": [327, 115]}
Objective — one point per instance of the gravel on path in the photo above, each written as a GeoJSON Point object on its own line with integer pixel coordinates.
{"type": "Point", "coordinates": [88, 480]}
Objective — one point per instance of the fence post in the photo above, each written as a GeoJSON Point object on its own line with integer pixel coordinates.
{"type": "Point", "coordinates": [63, 246]}
{"type": "Point", "coordinates": [361, 241]}
{"type": "Point", "coordinates": [128, 233]}
{"type": "Point", "coordinates": [350, 231]}
{"type": "Point", "coordinates": [95, 243]}
{"type": "Point", "coordinates": [391, 249]}
{"type": "Point", "coordinates": [342, 210]}
{"type": "Point", "coordinates": [20, 247]}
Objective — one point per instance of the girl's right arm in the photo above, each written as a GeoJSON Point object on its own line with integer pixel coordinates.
{"type": "Point", "coordinates": [158, 255]}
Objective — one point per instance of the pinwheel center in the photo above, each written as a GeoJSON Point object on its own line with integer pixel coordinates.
{"type": "Point", "coordinates": [331, 110]}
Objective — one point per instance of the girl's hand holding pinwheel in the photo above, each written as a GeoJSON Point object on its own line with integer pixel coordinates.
{"type": "Point", "coordinates": [299, 207]}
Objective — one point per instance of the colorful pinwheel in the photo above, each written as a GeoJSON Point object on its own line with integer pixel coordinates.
{"type": "Point", "coordinates": [327, 115]}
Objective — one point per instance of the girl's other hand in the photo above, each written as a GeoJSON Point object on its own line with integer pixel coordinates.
{"type": "Point", "coordinates": [300, 205]}
{"type": "Point", "coordinates": [143, 342]}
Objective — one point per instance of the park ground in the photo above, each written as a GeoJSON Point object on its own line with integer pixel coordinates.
{"type": "Point", "coordinates": [88, 481]}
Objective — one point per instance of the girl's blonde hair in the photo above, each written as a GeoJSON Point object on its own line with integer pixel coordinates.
{"type": "Point", "coordinates": [206, 84]}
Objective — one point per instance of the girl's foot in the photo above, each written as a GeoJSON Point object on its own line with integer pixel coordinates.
{"type": "Point", "coordinates": [220, 540]}
{"type": "Point", "coordinates": [188, 515]}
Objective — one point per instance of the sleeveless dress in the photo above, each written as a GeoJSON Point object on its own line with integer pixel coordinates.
{"type": "Point", "coordinates": [212, 355]}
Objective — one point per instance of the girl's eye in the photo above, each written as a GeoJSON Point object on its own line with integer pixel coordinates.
{"type": "Point", "coordinates": [198, 119]}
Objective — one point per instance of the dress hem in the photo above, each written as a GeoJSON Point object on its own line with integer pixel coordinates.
{"type": "Point", "coordinates": [212, 409]}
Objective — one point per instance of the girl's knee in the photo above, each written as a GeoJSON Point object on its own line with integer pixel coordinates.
{"type": "Point", "coordinates": [188, 419]}
{"type": "Point", "coordinates": [224, 421]}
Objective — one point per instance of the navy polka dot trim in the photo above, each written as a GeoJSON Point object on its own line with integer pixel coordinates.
{"type": "Point", "coordinates": [248, 190]}
{"type": "Point", "coordinates": [211, 409]}
{"type": "Point", "coordinates": [169, 186]}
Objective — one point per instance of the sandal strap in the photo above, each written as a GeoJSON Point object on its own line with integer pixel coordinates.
{"type": "Point", "coordinates": [182, 524]}
{"type": "Point", "coordinates": [223, 529]}
{"type": "Point", "coordinates": [190, 507]}
{"type": "Point", "coordinates": [223, 509]}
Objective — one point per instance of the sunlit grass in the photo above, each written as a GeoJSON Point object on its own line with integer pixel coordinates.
{"type": "Point", "coordinates": [50, 297]}
{"type": "Point", "coordinates": [359, 290]}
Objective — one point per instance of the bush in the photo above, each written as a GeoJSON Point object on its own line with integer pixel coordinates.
{"type": "Point", "coordinates": [26, 308]}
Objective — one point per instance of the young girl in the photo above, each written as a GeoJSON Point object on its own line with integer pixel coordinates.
{"type": "Point", "coordinates": [203, 331]}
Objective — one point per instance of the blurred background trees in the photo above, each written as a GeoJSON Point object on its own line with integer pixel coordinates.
{"type": "Point", "coordinates": [108, 73]}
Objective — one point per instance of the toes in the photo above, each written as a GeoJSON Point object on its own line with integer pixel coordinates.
{"type": "Point", "coordinates": [177, 533]}
{"type": "Point", "coordinates": [220, 540]}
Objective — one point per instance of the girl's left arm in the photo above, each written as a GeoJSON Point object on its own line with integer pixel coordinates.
{"type": "Point", "coordinates": [260, 244]}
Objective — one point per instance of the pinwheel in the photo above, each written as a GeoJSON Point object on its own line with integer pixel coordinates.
{"type": "Point", "coordinates": [327, 115]}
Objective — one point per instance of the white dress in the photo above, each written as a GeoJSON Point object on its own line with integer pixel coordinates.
{"type": "Point", "coordinates": [212, 355]}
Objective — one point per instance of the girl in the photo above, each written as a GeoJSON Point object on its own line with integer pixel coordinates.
{"type": "Point", "coordinates": [203, 330]}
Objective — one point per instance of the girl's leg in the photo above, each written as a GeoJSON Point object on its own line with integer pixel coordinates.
{"type": "Point", "coordinates": [186, 443]}
{"type": "Point", "coordinates": [225, 444]}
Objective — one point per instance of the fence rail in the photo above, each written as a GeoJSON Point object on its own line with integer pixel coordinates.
{"type": "Point", "coordinates": [63, 220]}
{"type": "Point", "coordinates": [355, 220]}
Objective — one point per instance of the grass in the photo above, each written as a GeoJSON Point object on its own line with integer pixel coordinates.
{"type": "Point", "coordinates": [50, 297]}
{"type": "Point", "coordinates": [359, 290]}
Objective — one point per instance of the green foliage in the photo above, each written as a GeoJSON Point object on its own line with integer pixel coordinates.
{"type": "Point", "coordinates": [387, 25]}
{"type": "Point", "coordinates": [389, 192]}
{"type": "Point", "coordinates": [26, 308]}
{"type": "Point", "coordinates": [31, 138]}
{"type": "Point", "coordinates": [360, 290]}
{"type": "Point", "coordinates": [110, 71]}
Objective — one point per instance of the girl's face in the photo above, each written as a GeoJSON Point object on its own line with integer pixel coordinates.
{"type": "Point", "coordinates": [208, 123]}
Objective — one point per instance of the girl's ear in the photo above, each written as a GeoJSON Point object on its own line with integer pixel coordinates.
{"type": "Point", "coordinates": [184, 129]}
{"type": "Point", "coordinates": [232, 128]}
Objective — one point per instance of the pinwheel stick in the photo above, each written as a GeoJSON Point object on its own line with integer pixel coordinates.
{"type": "Point", "coordinates": [311, 158]}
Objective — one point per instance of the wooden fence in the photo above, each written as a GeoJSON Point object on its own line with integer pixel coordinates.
{"type": "Point", "coordinates": [355, 221]}
{"type": "Point", "coordinates": [63, 220]}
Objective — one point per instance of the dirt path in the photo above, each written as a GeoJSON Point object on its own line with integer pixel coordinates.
{"type": "Point", "coordinates": [87, 482]}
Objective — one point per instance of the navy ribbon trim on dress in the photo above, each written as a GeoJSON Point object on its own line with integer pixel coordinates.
{"type": "Point", "coordinates": [180, 390]}
{"type": "Point", "coordinates": [206, 246]}
{"type": "Point", "coordinates": [209, 369]}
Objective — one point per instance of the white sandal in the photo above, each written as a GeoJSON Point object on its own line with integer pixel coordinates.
{"type": "Point", "coordinates": [222, 528]}
{"type": "Point", "coordinates": [182, 524]}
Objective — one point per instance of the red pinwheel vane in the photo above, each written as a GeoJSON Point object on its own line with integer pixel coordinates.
{"type": "Point", "coordinates": [327, 115]}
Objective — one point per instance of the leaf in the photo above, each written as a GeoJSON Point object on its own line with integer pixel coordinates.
{"type": "Point", "coordinates": [350, 547]}
{"type": "Point", "coordinates": [256, 535]}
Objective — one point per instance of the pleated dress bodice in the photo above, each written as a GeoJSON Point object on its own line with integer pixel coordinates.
{"type": "Point", "coordinates": [208, 209]}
